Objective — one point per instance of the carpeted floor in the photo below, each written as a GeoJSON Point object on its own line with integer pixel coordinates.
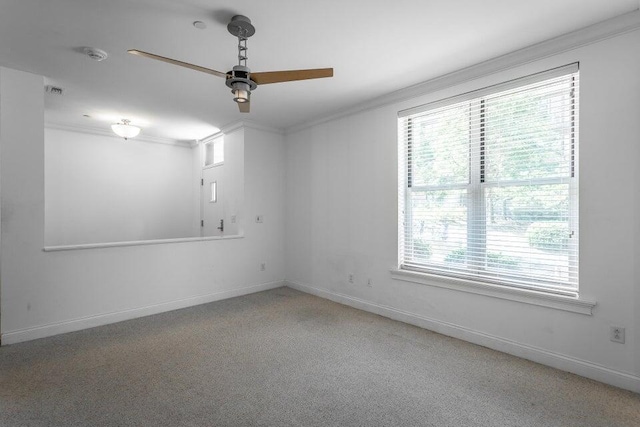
{"type": "Point", "coordinates": [284, 358]}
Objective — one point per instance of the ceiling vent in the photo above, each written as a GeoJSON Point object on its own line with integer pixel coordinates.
{"type": "Point", "coordinates": [95, 54]}
{"type": "Point", "coordinates": [54, 90]}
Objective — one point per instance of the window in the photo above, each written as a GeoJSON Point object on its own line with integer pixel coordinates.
{"type": "Point", "coordinates": [489, 184]}
{"type": "Point", "coordinates": [214, 192]}
{"type": "Point", "coordinates": [214, 152]}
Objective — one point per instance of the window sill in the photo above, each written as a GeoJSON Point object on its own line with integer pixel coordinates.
{"type": "Point", "coordinates": [138, 243]}
{"type": "Point", "coordinates": [213, 165]}
{"type": "Point", "coordinates": [559, 302]}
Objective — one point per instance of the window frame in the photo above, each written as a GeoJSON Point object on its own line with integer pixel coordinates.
{"type": "Point", "coordinates": [212, 143]}
{"type": "Point", "coordinates": [477, 186]}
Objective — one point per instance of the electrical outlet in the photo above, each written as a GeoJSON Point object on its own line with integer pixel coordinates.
{"type": "Point", "coordinates": [616, 334]}
{"type": "Point", "coordinates": [369, 283]}
{"type": "Point", "coordinates": [233, 219]}
{"type": "Point", "coordinates": [259, 219]}
{"type": "Point", "coordinates": [263, 266]}
{"type": "Point", "coordinates": [351, 278]}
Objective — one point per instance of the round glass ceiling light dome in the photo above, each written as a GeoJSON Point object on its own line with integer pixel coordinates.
{"type": "Point", "coordinates": [125, 129]}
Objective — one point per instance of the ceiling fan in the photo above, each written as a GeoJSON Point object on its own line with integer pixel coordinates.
{"type": "Point", "coordinates": [240, 79]}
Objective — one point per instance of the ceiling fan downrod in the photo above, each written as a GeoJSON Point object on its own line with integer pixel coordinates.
{"type": "Point", "coordinates": [241, 27]}
{"type": "Point", "coordinates": [242, 51]}
{"type": "Point", "coordinates": [239, 78]}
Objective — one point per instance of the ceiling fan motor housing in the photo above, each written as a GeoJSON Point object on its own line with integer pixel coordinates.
{"type": "Point", "coordinates": [238, 80]}
{"type": "Point", "coordinates": [240, 74]}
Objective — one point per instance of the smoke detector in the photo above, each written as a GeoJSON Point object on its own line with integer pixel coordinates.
{"type": "Point", "coordinates": [95, 54]}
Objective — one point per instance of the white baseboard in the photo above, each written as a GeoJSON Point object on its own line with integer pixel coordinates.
{"type": "Point", "coordinates": [43, 331]}
{"type": "Point", "coordinates": [538, 355]}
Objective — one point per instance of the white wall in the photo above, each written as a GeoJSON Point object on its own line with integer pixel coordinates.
{"type": "Point", "coordinates": [342, 219]}
{"type": "Point", "coordinates": [44, 293]}
{"type": "Point", "coordinates": [105, 189]}
{"type": "Point", "coordinates": [265, 188]}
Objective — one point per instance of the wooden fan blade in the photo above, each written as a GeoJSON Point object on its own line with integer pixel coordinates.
{"type": "Point", "coordinates": [244, 106]}
{"type": "Point", "coordinates": [176, 62]}
{"type": "Point", "coordinates": [291, 75]}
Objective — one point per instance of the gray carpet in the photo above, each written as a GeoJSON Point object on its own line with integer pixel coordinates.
{"type": "Point", "coordinates": [284, 358]}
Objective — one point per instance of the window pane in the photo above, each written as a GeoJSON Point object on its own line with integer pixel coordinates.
{"type": "Point", "coordinates": [440, 147]}
{"type": "Point", "coordinates": [214, 192]}
{"type": "Point", "coordinates": [529, 232]}
{"type": "Point", "coordinates": [218, 151]}
{"type": "Point", "coordinates": [439, 225]}
{"type": "Point", "coordinates": [214, 152]}
{"type": "Point", "coordinates": [529, 133]}
{"type": "Point", "coordinates": [208, 154]}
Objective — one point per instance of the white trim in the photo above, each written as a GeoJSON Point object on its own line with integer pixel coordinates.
{"type": "Point", "coordinates": [543, 299]}
{"type": "Point", "coordinates": [262, 127]}
{"type": "Point", "coordinates": [213, 136]}
{"type": "Point", "coordinates": [574, 365]}
{"type": "Point", "coordinates": [107, 132]}
{"type": "Point", "coordinates": [214, 165]}
{"type": "Point", "coordinates": [51, 329]}
{"type": "Point", "coordinates": [592, 34]}
{"type": "Point", "coordinates": [138, 243]}
{"type": "Point", "coordinates": [238, 124]}
{"type": "Point", "coordinates": [233, 126]}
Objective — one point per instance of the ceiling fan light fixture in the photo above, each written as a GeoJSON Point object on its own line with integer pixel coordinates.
{"type": "Point", "coordinates": [125, 129]}
{"type": "Point", "coordinates": [241, 92]}
{"type": "Point", "coordinates": [241, 96]}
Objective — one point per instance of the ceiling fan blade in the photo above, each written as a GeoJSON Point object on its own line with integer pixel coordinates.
{"type": "Point", "coordinates": [291, 75]}
{"type": "Point", "coordinates": [176, 62]}
{"type": "Point", "coordinates": [244, 106]}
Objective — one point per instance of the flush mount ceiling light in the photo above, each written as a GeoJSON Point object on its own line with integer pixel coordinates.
{"type": "Point", "coordinates": [125, 130]}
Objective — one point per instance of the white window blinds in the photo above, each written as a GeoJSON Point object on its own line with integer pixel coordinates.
{"type": "Point", "coordinates": [489, 184]}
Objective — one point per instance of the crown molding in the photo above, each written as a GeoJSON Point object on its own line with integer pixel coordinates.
{"type": "Point", "coordinates": [241, 124]}
{"type": "Point", "coordinates": [107, 132]}
{"type": "Point", "coordinates": [229, 127]}
{"type": "Point", "coordinates": [603, 30]}
{"type": "Point", "coordinates": [226, 129]}
{"type": "Point", "coordinates": [262, 127]}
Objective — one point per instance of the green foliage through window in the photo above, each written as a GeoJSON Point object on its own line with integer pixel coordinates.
{"type": "Point", "coordinates": [492, 185]}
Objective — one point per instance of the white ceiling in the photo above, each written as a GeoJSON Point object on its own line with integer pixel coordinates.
{"type": "Point", "coordinates": [375, 47]}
